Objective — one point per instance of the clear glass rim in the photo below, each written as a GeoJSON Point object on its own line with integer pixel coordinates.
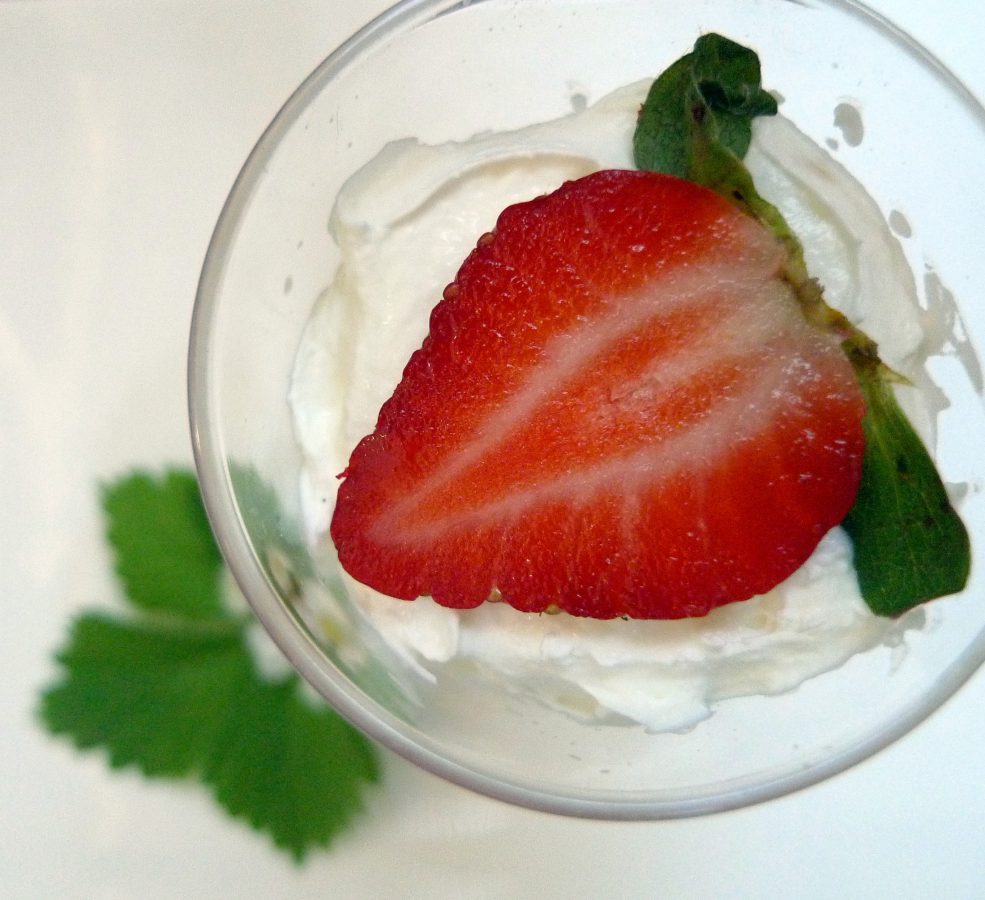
{"type": "Point", "coordinates": [290, 634]}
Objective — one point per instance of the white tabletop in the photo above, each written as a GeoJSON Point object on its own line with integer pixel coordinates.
{"type": "Point", "coordinates": [123, 126]}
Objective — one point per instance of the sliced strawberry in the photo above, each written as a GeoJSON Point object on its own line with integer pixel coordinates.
{"type": "Point", "coordinates": [619, 410]}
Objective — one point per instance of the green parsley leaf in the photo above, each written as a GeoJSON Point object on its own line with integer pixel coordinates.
{"type": "Point", "coordinates": [910, 545]}
{"type": "Point", "coordinates": [174, 690]}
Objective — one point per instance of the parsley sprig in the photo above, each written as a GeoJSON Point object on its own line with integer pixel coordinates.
{"type": "Point", "coordinates": [171, 687]}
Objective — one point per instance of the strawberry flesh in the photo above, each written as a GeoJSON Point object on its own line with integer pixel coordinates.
{"type": "Point", "coordinates": [619, 411]}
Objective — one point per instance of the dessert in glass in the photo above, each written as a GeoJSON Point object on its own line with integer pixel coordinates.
{"type": "Point", "coordinates": [353, 213]}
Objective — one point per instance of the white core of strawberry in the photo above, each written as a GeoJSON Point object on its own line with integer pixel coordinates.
{"type": "Point", "coordinates": [751, 325]}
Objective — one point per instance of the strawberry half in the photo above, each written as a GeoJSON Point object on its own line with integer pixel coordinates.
{"type": "Point", "coordinates": [619, 411]}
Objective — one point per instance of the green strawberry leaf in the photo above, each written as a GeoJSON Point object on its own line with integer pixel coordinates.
{"type": "Point", "coordinates": [716, 86]}
{"type": "Point", "coordinates": [165, 554]}
{"type": "Point", "coordinates": [174, 690]}
{"type": "Point", "coordinates": [910, 545]}
{"type": "Point", "coordinates": [288, 768]}
{"type": "Point", "coordinates": [153, 696]}
{"type": "Point", "coordinates": [267, 525]}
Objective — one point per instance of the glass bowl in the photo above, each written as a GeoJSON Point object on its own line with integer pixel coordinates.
{"type": "Point", "coordinates": [442, 70]}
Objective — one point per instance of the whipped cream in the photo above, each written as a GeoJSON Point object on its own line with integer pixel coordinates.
{"type": "Point", "coordinates": [403, 225]}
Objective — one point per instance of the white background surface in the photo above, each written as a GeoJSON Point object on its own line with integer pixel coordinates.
{"type": "Point", "coordinates": [122, 127]}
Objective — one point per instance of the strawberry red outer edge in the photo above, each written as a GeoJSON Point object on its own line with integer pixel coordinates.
{"type": "Point", "coordinates": [619, 410]}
